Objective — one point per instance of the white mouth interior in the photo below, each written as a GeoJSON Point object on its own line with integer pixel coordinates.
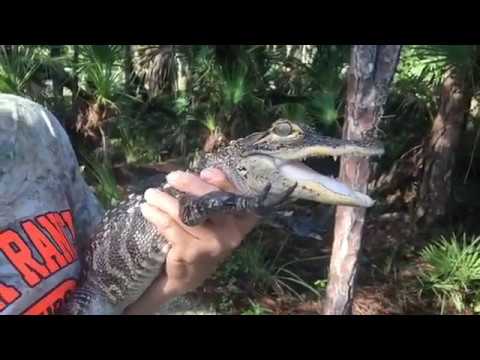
{"type": "Point", "coordinates": [298, 171]}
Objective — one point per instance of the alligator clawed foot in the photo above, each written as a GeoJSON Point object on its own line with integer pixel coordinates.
{"type": "Point", "coordinates": [261, 208]}
{"type": "Point", "coordinates": [196, 210]}
{"type": "Point", "coordinates": [286, 195]}
{"type": "Point", "coordinates": [264, 193]}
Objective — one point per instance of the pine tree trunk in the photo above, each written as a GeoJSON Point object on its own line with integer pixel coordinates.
{"type": "Point", "coordinates": [440, 148]}
{"type": "Point", "coordinates": [371, 72]}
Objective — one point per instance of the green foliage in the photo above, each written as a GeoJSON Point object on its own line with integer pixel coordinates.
{"type": "Point", "coordinates": [225, 305]}
{"type": "Point", "coordinates": [106, 186]}
{"type": "Point", "coordinates": [256, 309]}
{"type": "Point", "coordinates": [235, 85]}
{"type": "Point", "coordinates": [321, 285]}
{"type": "Point", "coordinates": [423, 67]}
{"type": "Point", "coordinates": [245, 86]}
{"type": "Point", "coordinates": [211, 123]}
{"type": "Point", "coordinates": [17, 69]}
{"type": "Point", "coordinates": [229, 89]}
{"type": "Point", "coordinates": [100, 69]}
{"type": "Point", "coordinates": [319, 84]}
{"type": "Point", "coordinates": [452, 271]}
{"type": "Point", "coordinates": [253, 261]}
{"type": "Point", "coordinates": [137, 147]}
{"type": "Point", "coordinates": [157, 67]}
{"type": "Point", "coordinates": [414, 100]}
{"type": "Point", "coordinates": [434, 61]}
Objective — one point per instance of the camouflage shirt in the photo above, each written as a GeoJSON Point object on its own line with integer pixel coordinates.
{"type": "Point", "coordinates": [46, 209]}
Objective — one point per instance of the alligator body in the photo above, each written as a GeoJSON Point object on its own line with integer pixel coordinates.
{"type": "Point", "coordinates": [127, 253]}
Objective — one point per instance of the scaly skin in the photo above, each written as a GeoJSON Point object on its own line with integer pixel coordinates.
{"type": "Point", "coordinates": [127, 253]}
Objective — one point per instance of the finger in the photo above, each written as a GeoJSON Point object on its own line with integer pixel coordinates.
{"type": "Point", "coordinates": [246, 223]}
{"type": "Point", "coordinates": [176, 236]}
{"type": "Point", "coordinates": [169, 205]}
{"type": "Point", "coordinates": [218, 179]}
{"type": "Point", "coordinates": [164, 223]}
{"type": "Point", "coordinates": [233, 229]}
{"type": "Point", "coordinates": [189, 183]}
{"type": "Point", "coordinates": [185, 247]}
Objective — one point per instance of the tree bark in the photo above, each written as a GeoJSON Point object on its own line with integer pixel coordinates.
{"type": "Point", "coordinates": [57, 84]}
{"type": "Point", "coordinates": [439, 150]}
{"type": "Point", "coordinates": [56, 52]}
{"type": "Point", "coordinates": [128, 69]}
{"type": "Point", "coordinates": [370, 74]}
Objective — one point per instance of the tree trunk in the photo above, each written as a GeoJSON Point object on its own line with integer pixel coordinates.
{"type": "Point", "coordinates": [57, 84]}
{"type": "Point", "coordinates": [128, 69]}
{"type": "Point", "coordinates": [371, 72]}
{"type": "Point", "coordinates": [105, 146]}
{"type": "Point", "coordinates": [56, 52]}
{"type": "Point", "coordinates": [439, 151]}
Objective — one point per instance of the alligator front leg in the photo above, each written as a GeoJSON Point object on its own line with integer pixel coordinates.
{"type": "Point", "coordinates": [196, 210]}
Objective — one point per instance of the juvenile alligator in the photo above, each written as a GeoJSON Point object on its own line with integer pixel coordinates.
{"type": "Point", "coordinates": [127, 253]}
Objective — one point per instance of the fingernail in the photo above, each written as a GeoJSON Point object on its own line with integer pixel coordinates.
{"type": "Point", "coordinates": [206, 174]}
{"type": "Point", "coordinates": [144, 209]}
{"type": "Point", "coordinates": [173, 176]}
{"type": "Point", "coordinates": [150, 192]}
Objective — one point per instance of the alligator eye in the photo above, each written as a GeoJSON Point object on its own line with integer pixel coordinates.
{"type": "Point", "coordinates": [283, 129]}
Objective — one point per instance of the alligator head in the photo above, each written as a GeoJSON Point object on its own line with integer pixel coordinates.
{"type": "Point", "coordinates": [277, 157]}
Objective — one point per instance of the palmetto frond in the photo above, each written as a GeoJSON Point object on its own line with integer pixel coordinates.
{"type": "Point", "coordinates": [18, 64]}
{"type": "Point", "coordinates": [428, 64]}
{"type": "Point", "coordinates": [100, 71]}
{"type": "Point", "coordinates": [234, 85]}
{"type": "Point", "coordinates": [445, 57]}
{"type": "Point", "coordinates": [100, 68]}
{"type": "Point", "coordinates": [156, 66]}
{"type": "Point", "coordinates": [452, 268]}
{"type": "Point", "coordinates": [422, 69]}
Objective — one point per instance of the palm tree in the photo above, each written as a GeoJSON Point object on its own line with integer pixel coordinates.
{"type": "Point", "coordinates": [449, 70]}
{"type": "Point", "coordinates": [156, 67]}
{"type": "Point", "coordinates": [100, 72]}
{"type": "Point", "coordinates": [18, 66]}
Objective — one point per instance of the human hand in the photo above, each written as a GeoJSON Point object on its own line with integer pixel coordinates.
{"type": "Point", "coordinates": [196, 252]}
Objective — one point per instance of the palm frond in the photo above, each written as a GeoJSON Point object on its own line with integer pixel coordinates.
{"type": "Point", "coordinates": [428, 64]}
{"type": "Point", "coordinates": [156, 66]}
{"type": "Point", "coordinates": [235, 84]}
{"type": "Point", "coordinates": [100, 68]}
{"type": "Point", "coordinates": [18, 65]}
{"type": "Point", "coordinates": [452, 268]}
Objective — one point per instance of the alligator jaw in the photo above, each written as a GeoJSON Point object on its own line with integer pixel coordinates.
{"type": "Point", "coordinates": [325, 146]}
{"type": "Point", "coordinates": [319, 188]}
{"type": "Point", "coordinates": [288, 159]}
